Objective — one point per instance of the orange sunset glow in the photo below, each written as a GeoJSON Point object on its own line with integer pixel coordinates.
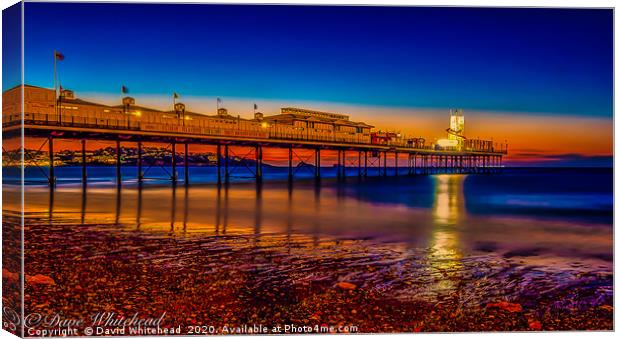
{"type": "Point", "coordinates": [533, 139]}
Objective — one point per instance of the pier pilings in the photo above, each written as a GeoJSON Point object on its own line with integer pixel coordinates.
{"type": "Point", "coordinates": [419, 162]}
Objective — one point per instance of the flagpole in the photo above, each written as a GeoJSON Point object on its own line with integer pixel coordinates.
{"type": "Point", "coordinates": [55, 88]}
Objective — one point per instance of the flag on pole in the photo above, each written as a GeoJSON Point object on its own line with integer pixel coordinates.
{"type": "Point", "coordinates": [124, 89]}
{"type": "Point", "coordinates": [175, 95]}
{"type": "Point", "coordinates": [59, 56]}
{"type": "Point", "coordinates": [255, 106]}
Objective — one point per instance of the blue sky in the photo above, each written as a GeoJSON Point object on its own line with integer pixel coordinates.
{"type": "Point", "coordinates": [552, 61]}
{"type": "Point", "coordinates": [11, 46]}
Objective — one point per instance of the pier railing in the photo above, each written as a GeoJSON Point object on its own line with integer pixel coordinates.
{"type": "Point", "coordinates": [246, 130]}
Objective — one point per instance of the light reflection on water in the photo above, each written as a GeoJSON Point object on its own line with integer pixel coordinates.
{"type": "Point", "coordinates": [445, 255]}
{"type": "Point", "coordinates": [390, 212]}
{"type": "Point", "coordinates": [410, 239]}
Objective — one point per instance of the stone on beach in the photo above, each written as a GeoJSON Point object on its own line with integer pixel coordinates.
{"type": "Point", "coordinates": [9, 275]}
{"type": "Point", "coordinates": [346, 285]}
{"type": "Point", "coordinates": [506, 306]}
{"type": "Point", "coordinates": [39, 279]}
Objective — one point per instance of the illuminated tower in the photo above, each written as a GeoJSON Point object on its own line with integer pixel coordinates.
{"type": "Point", "coordinates": [457, 126]}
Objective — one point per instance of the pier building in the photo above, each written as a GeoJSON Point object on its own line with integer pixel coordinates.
{"type": "Point", "coordinates": [69, 117]}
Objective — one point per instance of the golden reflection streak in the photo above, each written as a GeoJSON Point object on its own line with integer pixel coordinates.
{"type": "Point", "coordinates": [445, 256]}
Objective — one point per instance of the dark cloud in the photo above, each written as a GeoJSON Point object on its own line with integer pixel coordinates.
{"type": "Point", "coordinates": [528, 155]}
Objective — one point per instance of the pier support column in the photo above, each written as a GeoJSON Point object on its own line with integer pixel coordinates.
{"type": "Point", "coordinates": [485, 164]}
{"type": "Point", "coordinates": [453, 164]}
{"type": "Point", "coordinates": [365, 164]}
{"type": "Point", "coordinates": [317, 164]}
{"type": "Point", "coordinates": [186, 164]}
{"type": "Point", "coordinates": [429, 167]}
{"type": "Point", "coordinates": [409, 163]}
{"type": "Point", "coordinates": [431, 163]}
{"type": "Point", "coordinates": [52, 175]}
{"type": "Point", "coordinates": [339, 167]}
{"type": "Point", "coordinates": [464, 164]}
{"type": "Point", "coordinates": [218, 164]}
{"type": "Point", "coordinates": [119, 179]}
{"type": "Point", "coordinates": [139, 163]}
{"type": "Point", "coordinates": [290, 163]}
{"type": "Point", "coordinates": [418, 163]}
{"type": "Point", "coordinates": [443, 164]}
{"type": "Point", "coordinates": [396, 164]}
{"type": "Point", "coordinates": [344, 163]}
{"type": "Point", "coordinates": [83, 162]}
{"type": "Point", "coordinates": [259, 163]}
{"type": "Point", "coordinates": [226, 174]}
{"type": "Point", "coordinates": [359, 164]}
{"type": "Point", "coordinates": [174, 163]}
{"type": "Point", "coordinates": [385, 164]}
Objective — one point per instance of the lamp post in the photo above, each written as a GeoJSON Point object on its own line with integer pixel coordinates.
{"type": "Point", "coordinates": [179, 109]}
{"type": "Point", "coordinates": [127, 102]}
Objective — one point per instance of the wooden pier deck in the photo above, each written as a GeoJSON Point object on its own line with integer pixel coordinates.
{"type": "Point", "coordinates": [419, 160]}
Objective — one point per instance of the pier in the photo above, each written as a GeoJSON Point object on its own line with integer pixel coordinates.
{"type": "Point", "coordinates": [358, 148]}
